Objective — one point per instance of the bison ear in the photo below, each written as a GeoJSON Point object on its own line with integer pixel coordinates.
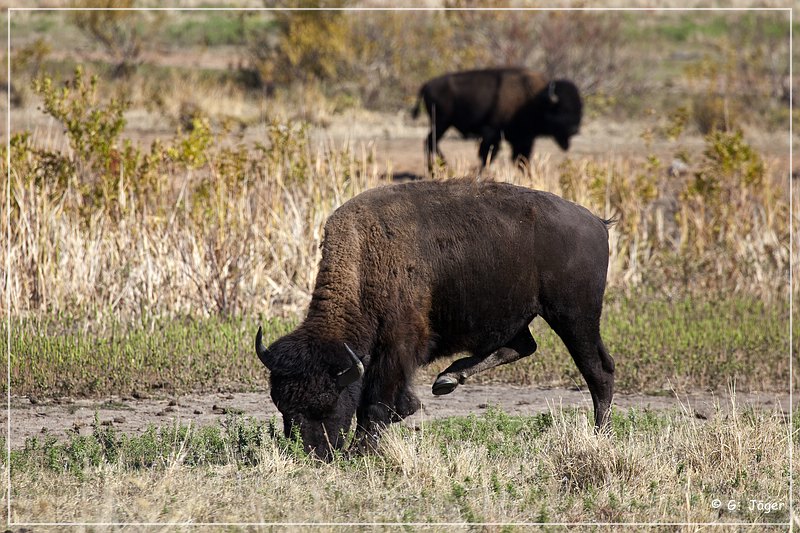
{"type": "Point", "coordinates": [352, 374]}
{"type": "Point", "coordinates": [261, 350]}
{"type": "Point", "coordinates": [551, 93]}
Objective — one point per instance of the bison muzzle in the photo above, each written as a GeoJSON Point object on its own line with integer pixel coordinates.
{"type": "Point", "coordinates": [414, 272]}
{"type": "Point", "coordinates": [511, 103]}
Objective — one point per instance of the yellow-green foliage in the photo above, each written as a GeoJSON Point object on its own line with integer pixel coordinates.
{"type": "Point", "coordinates": [310, 45]}
{"type": "Point", "coordinates": [720, 226]}
{"type": "Point", "coordinates": [718, 200]}
{"type": "Point", "coordinates": [92, 128]}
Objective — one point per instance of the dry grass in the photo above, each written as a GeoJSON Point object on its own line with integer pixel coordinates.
{"type": "Point", "coordinates": [241, 233]}
{"type": "Point", "coordinates": [654, 468]}
{"type": "Point", "coordinates": [207, 245]}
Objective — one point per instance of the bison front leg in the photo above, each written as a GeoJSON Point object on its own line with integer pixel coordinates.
{"type": "Point", "coordinates": [521, 152]}
{"type": "Point", "coordinates": [386, 398]}
{"type": "Point", "coordinates": [406, 404]}
{"type": "Point", "coordinates": [432, 150]}
{"type": "Point", "coordinates": [490, 141]}
{"type": "Point", "coordinates": [375, 417]}
{"type": "Point", "coordinates": [521, 345]}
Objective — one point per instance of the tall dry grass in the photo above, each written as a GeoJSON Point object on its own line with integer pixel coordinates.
{"type": "Point", "coordinates": [203, 223]}
{"type": "Point", "coordinates": [226, 228]}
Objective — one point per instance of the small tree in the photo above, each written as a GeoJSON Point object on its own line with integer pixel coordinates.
{"type": "Point", "coordinates": [302, 46]}
{"type": "Point", "coordinates": [121, 32]}
{"type": "Point", "coordinates": [583, 46]}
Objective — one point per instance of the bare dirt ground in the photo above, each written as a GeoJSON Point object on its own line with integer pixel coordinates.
{"type": "Point", "coordinates": [66, 417]}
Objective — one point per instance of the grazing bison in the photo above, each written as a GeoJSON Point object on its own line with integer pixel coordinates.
{"type": "Point", "coordinates": [505, 102]}
{"type": "Point", "coordinates": [414, 272]}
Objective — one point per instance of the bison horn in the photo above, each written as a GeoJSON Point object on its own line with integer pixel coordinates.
{"type": "Point", "coordinates": [352, 374]}
{"type": "Point", "coordinates": [551, 93]}
{"type": "Point", "coordinates": [261, 350]}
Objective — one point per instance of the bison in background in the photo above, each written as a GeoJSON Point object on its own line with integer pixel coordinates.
{"type": "Point", "coordinates": [512, 103]}
{"type": "Point", "coordinates": [414, 272]}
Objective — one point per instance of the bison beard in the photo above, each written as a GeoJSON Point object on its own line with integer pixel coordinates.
{"type": "Point", "coordinates": [510, 103]}
{"type": "Point", "coordinates": [414, 272]}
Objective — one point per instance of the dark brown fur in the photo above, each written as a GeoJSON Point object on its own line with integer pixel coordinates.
{"type": "Point", "coordinates": [414, 272]}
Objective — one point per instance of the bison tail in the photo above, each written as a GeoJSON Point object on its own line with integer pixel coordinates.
{"type": "Point", "coordinates": [611, 221]}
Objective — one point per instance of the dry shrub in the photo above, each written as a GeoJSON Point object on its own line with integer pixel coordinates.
{"type": "Point", "coordinates": [741, 76]}
{"type": "Point", "coordinates": [181, 228]}
{"type": "Point", "coordinates": [26, 63]}
{"type": "Point", "coordinates": [123, 33]}
{"type": "Point", "coordinates": [583, 46]}
{"type": "Point", "coordinates": [180, 97]}
{"type": "Point", "coordinates": [372, 57]}
{"type": "Point", "coordinates": [721, 227]}
{"type": "Point", "coordinates": [309, 46]}
{"type": "Point", "coordinates": [712, 113]}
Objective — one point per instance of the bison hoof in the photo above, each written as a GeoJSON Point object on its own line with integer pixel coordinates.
{"type": "Point", "coordinates": [444, 385]}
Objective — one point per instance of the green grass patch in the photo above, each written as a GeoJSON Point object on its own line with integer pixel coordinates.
{"type": "Point", "coordinates": [493, 429]}
{"type": "Point", "coordinates": [684, 342]}
{"type": "Point", "coordinates": [42, 23]}
{"type": "Point", "coordinates": [65, 355]}
{"type": "Point", "coordinates": [238, 440]}
{"type": "Point", "coordinates": [690, 25]}
{"type": "Point", "coordinates": [213, 28]}
{"type": "Point", "coordinates": [657, 344]}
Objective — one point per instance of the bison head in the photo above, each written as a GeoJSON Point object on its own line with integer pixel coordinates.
{"type": "Point", "coordinates": [563, 111]}
{"type": "Point", "coordinates": [316, 398]}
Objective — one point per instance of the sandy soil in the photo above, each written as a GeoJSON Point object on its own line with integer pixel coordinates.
{"type": "Point", "coordinates": [132, 415]}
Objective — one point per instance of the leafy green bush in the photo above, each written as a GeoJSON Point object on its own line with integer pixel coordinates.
{"type": "Point", "coordinates": [93, 129]}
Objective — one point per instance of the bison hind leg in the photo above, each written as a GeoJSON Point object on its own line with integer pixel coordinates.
{"type": "Point", "coordinates": [521, 345]}
{"type": "Point", "coordinates": [432, 152]}
{"type": "Point", "coordinates": [597, 368]}
{"type": "Point", "coordinates": [490, 142]}
{"type": "Point", "coordinates": [521, 152]}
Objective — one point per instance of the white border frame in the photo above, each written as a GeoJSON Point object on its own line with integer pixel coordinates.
{"type": "Point", "coordinates": [9, 523]}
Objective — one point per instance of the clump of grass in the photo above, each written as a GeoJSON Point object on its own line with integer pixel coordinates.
{"type": "Point", "coordinates": [652, 467]}
{"type": "Point", "coordinates": [238, 441]}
